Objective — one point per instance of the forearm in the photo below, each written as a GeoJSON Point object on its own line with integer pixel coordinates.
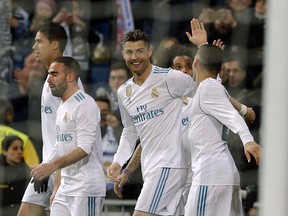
{"type": "Point", "coordinates": [70, 158]}
{"type": "Point", "coordinates": [135, 160]}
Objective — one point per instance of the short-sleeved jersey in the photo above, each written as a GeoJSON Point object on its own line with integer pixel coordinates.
{"type": "Point", "coordinates": [211, 114]}
{"type": "Point", "coordinates": [78, 125]}
{"type": "Point", "coordinates": [49, 106]}
{"type": "Point", "coordinates": [152, 111]}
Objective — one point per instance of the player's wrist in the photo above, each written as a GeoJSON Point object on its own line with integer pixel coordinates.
{"type": "Point", "coordinates": [202, 44]}
{"type": "Point", "coordinates": [243, 110]}
{"type": "Point", "coordinates": [127, 172]}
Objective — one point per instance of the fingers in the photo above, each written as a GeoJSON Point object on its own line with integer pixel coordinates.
{"type": "Point", "coordinates": [195, 24]}
{"type": "Point", "coordinates": [247, 154]}
{"type": "Point", "coordinates": [219, 43]}
{"type": "Point", "coordinates": [118, 189]}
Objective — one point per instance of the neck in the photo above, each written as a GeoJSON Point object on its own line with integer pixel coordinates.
{"type": "Point", "coordinates": [53, 57]}
{"type": "Point", "coordinates": [69, 92]}
{"type": "Point", "coordinates": [139, 79]}
{"type": "Point", "coordinates": [204, 75]}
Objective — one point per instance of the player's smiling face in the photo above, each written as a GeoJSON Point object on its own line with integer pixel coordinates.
{"type": "Point", "coordinates": [137, 56]}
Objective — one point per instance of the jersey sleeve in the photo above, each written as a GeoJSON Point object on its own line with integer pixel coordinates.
{"type": "Point", "coordinates": [128, 137]}
{"type": "Point", "coordinates": [180, 84]}
{"type": "Point", "coordinates": [215, 102]}
{"type": "Point", "coordinates": [87, 117]}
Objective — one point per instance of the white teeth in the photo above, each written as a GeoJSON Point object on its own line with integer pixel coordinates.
{"type": "Point", "coordinates": [136, 63]}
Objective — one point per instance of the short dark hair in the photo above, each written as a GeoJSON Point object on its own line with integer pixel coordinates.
{"type": "Point", "coordinates": [54, 32]}
{"type": "Point", "coordinates": [70, 64]}
{"type": "Point", "coordinates": [8, 140]}
{"type": "Point", "coordinates": [166, 57]}
{"type": "Point", "coordinates": [233, 57]}
{"type": "Point", "coordinates": [103, 99]}
{"type": "Point", "coordinates": [120, 65]}
{"type": "Point", "coordinates": [210, 58]}
{"type": "Point", "coordinates": [136, 35]}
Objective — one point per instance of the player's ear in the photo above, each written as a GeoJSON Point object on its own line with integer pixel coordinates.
{"type": "Point", "coordinates": [55, 45]}
{"type": "Point", "coordinates": [70, 77]}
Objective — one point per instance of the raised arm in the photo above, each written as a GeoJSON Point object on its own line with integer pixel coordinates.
{"type": "Point", "coordinates": [198, 34]}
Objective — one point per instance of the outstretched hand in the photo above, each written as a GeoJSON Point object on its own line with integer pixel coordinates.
{"type": "Point", "coordinates": [198, 34]}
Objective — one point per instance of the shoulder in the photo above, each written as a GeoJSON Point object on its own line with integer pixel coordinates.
{"type": "Point", "coordinates": [123, 88]}
{"type": "Point", "coordinates": [211, 88]}
{"type": "Point", "coordinates": [160, 70]}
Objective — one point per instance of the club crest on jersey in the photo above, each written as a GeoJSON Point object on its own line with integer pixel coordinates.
{"type": "Point", "coordinates": [185, 101]}
{"type": "Point", "coordinates": [128, 91]}
{"type": "Point", "coordinates": [65, 117]}
{"type": "Point", "coordinates": [154, 93]}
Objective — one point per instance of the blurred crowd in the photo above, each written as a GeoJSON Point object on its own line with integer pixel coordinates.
{"type": "Point", "coordinates": [95, 28]}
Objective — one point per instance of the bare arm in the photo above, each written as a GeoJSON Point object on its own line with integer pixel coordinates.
{"type": "Point", "coordinates": [133, 164]}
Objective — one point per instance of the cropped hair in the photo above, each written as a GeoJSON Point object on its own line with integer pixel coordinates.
{"type": "Point", "coordinates": [210, 58]}
{"type": "Point", "coordinates": [54, 32]}
{"type": "Point", "coordinates": [8, 140]}
{"type": "Point", "coordinates": [136, 35]}
{"type": "Point", "coordinates": [232, 58]}
{"type": "Point", "coordinates": [166, 57]}
{"type": "Point", "coordinates": [103, 99]}
{"type": "Point", "coordinates": [70, 64]}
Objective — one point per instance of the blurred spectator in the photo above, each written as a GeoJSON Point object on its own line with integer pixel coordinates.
{"type": "Point", "coordinates": [74, 16]}
{"type": "Point", "coordinates": [20, 22]}
{"type": "Point", "coordinates": [111, 130]}
{"type": "Point", "coordinates": [165, 43]}
{"type": "Point", "coordinates": [15, 175]}
{"type": "Point", "coordinates": [237, 74]}
{"type": "Point", "coordinates": [44, 10]}
{"type": "Point", "coordinates": [30, 81]}
{"type": "Point", "coordinates": [118, 75]}
{"type": "Point", "coordinates": [6, 63]}
{"type": "Point", "coordinates": [6, 119]}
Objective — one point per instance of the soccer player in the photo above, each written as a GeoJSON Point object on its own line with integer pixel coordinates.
{"type": "Point", "coordinates": [215, 186]}
{"type": "Point", "coordinates": [78, 148]}
{"type": "Point", "coordinates": [150, 106]}
{"type": "Point", "coordinates": [50, 42]}
{"type": "Point", "coordinates": [179, 57]}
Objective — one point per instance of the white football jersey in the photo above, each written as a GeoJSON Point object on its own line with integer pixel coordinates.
{"type": "Point", "coordinates": [211, 115]}
{"type": "Point", "coordinates": [152, 112]}
{"type": "Point", "coordinates": [78, 125]}
{"type": "Point", "coordinates": [185, 124]}
{"type": "Point", "coordinates": [49, 106]}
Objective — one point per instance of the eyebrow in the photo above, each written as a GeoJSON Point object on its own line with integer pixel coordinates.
{"type": "Point", "coordinates": [53, 72]}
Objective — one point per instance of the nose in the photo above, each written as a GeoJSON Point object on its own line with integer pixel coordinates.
{"type": "Point", "coordinates": [184, 70]}
{"type": "Point", "coordinates": [34, 46]}
{"type": "Point", "coordinates": [49, 79]}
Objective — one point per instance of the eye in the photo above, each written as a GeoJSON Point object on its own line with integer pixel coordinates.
{"type": "Point", "coordinates": [127, 52]}
{"type": "Point", "coordinates": [139, 52]}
